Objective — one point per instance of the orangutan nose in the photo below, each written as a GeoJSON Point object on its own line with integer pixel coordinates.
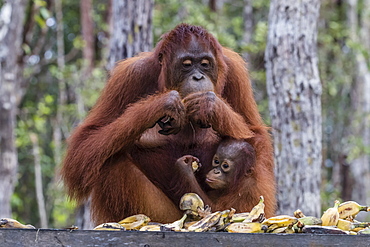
{"type": "Point", "coordinates": [198, 76]}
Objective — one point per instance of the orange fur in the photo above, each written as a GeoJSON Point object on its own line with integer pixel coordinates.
{"type": "Point", "coordinates": [117, 158]}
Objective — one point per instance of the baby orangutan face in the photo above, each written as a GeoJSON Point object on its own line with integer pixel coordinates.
{"type": "Point", "coordinates": [233, 160]}
{"type": "Point", "coordinates": [222, 173]}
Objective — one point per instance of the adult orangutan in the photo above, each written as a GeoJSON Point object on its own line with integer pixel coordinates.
{"type": "Point", "coordinates": [181, 99]}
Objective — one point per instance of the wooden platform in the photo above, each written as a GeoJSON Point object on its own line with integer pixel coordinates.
{"type": "Point", "coordinates": [54, 237]}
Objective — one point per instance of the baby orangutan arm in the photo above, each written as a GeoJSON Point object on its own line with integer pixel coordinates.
{"type": "Point", "coordinates": [185, 168]}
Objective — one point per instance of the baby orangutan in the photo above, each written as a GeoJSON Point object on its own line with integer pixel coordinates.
{"type": "Point", "coordinates": [233, 162]}
{"type": "Point", "coordinates": [233, 170]}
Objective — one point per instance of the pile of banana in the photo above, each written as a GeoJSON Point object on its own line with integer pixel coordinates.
{"type": "Point", "coordinates": [197, 217]}
{"type": "Point", "coordinates": [339, 219]}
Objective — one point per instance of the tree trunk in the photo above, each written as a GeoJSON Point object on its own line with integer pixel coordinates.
{"type": "Point", "coordinates": [38, 180]}
{"type": "Point", "coordinates": [248, 25]}
{"type": "Point", "coordinates": [11, 28]}
{"type": "Point", "coordinates": [359, 27]}
{"type": "Point", "coordinates": [87, 27]}
{"type": "Point", "coordinates": [131, 29]}
{"type": "Point", "coordinates": [215, 5]}
{"type": "Point", "coordinates": [294, 90]}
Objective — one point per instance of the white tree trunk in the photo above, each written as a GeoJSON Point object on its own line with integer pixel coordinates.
{"type": "Point", "coordinates": [248, 25]}
{"type": "Point", "coordinates": [360, 101]}
{"type": "Point", "coordinates": [11, 28]}
{"type": "Point", "coordinates": [131, 29]}
{"type": "Point", "coordinates": [294, 90]}
{"type": "Point", "coordinates": [38, 180]}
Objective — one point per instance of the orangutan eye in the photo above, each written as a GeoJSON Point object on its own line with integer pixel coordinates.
{"type": "Point", "coordinates": [187, 63]}
{"type": "Point", "coordinates": [216, 162]}
{"type": "Point", "coordinates": [205, 63]}
{"type": "Point", "coordinates": [225, 166]}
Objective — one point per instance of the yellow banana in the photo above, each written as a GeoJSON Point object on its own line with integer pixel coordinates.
{"type": "Point", "coordinates": [195, 166]}
{"type": "Point", "coordinates": [350, 208]}
{"type": "Point", "coordinates": [257, 213]}
{"type": "Point", "coordinates": [206, 223]}
{"type": "Point", "coordinates": [360, 226]}
{"type": "Point", "coordinates": [191, 203]}
{"type": "Point", "coordinates": [345, 225]}
{"type": "Point", "coordinates": [11, 223]}
{"type": "Point", "coordinates": [189, 223]}
{"type": "Point", "coordinates": [111, 226]}
{"type": "Point", "coordinates": [279, 230]}
{"type": "Point", "coordinates": [308, 221]}
{"type": "Point", "coordinates": [151, 228]}
{"type": "Point", "coordinates": [298, 214]}
{"type": "Point", "coordinates": [331, 215]}
{"type": "Point", "coordinates": [177, 225]}
{"type": "Point", "coordinates": [364, 231]}
{"type": "Point", "coordinates": [135, 222]}
{"type": "Point", "coordinates": [250, 227]}
{"type": "Point", "coordinates": [240, 217]}
{"type": "Point", "coordinates": [280, 221]}
{"type": "Point", "coordinates": [352, 226]}
{"type": "Point", "coordinates": [224, 219]}
{"type": "Point", "coordinates": [285, 229]}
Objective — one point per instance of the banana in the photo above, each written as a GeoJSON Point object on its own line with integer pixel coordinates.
{"type": "Point", "coordinates": [331, 215]}
{"type": "Point", "coordinates": [279, 230]}
{"type": "Point", "coordinates": [151, 228]}
{"type": "Point", "coordinates": [308, 221]}
{"type": "Point", "coordinates": [257, 214]}
{"type": "Point", "coordinates": [225, 218]}
{"type": "Point", "coordinates": [249, 227]}
{"type": "Point", "coordinates": [350, 208]}
{"type": "Point", "coordinates": [285, 229]}
{"type": "Point", "coordinates": [280, 221]}
{"type": "Point", "coordinates": [206, 223]}
{"type": "Point", "coordinates": [191, 203]}
{"type": "Point", "coordinates": [195, 166]}
{"type": "Point", "coordinates": [189, 223]}
{"type": "Point", "coordinates": [135, 222]}
{"type": "Point", "coordinates": [177, 225]}
{"type": "Point", "coordinates": [345, 225]}
{"type": "Point", "coordinates": [240, 217]}
{"type": "Point", "coordinates": [352, 226]}
{"type": "Point", "coordinates": [298, 214]}
{"type": "Point", "coordinates": [11, 223]}
{"type": "Point", "coordinates": [111, 226]}
{"type": "Point", "coordinates": [360, 226]}
{"type": "Point", "coordinates": [364, 231]}
{"type": "Point", "coordinates": [271, 227]}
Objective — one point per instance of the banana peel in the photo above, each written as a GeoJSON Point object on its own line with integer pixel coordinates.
{"type": "Point", "coordinates": [135, 222]}
{"type": "Point", "coordinates": [110, 226]}
{"type": "Point", "coordinates": [12, 223]}
{"type": "Point", "coordinates": [248, 227]}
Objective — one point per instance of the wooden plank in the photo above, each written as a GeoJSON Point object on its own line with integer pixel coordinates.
{"type": "Point", "coordinates": [53, 237]}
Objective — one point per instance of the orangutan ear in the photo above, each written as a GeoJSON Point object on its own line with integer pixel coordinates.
{"type": "Point", "coordinates": [160, 58]}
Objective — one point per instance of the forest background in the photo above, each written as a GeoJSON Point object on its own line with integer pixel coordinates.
{"type": "Point", "coordinates": [64, 61]}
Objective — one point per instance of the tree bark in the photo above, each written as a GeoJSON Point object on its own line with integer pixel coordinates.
{"type": "Point", "coordinates": [57, 131]}
{"type": "Point", "coordinates": [38, 180]}
{"type": "Point", "coordinates": [248, 25]}
{"type": "Point", "coordinates": [87, 26]}
{"type": "Point", "coordinates": [294, 90]}
{"type": "Point", "coordinates": [11, 28]}
{"type": "Point", "coordinates": [131, 29]}
{"type": "Point", "coordinates": [359, 27]}
{"type": "Point", "coordinates": [215, 5]}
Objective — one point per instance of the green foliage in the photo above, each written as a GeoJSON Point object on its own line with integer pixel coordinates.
{"type": "Point", "coordinates": [41, 102]}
